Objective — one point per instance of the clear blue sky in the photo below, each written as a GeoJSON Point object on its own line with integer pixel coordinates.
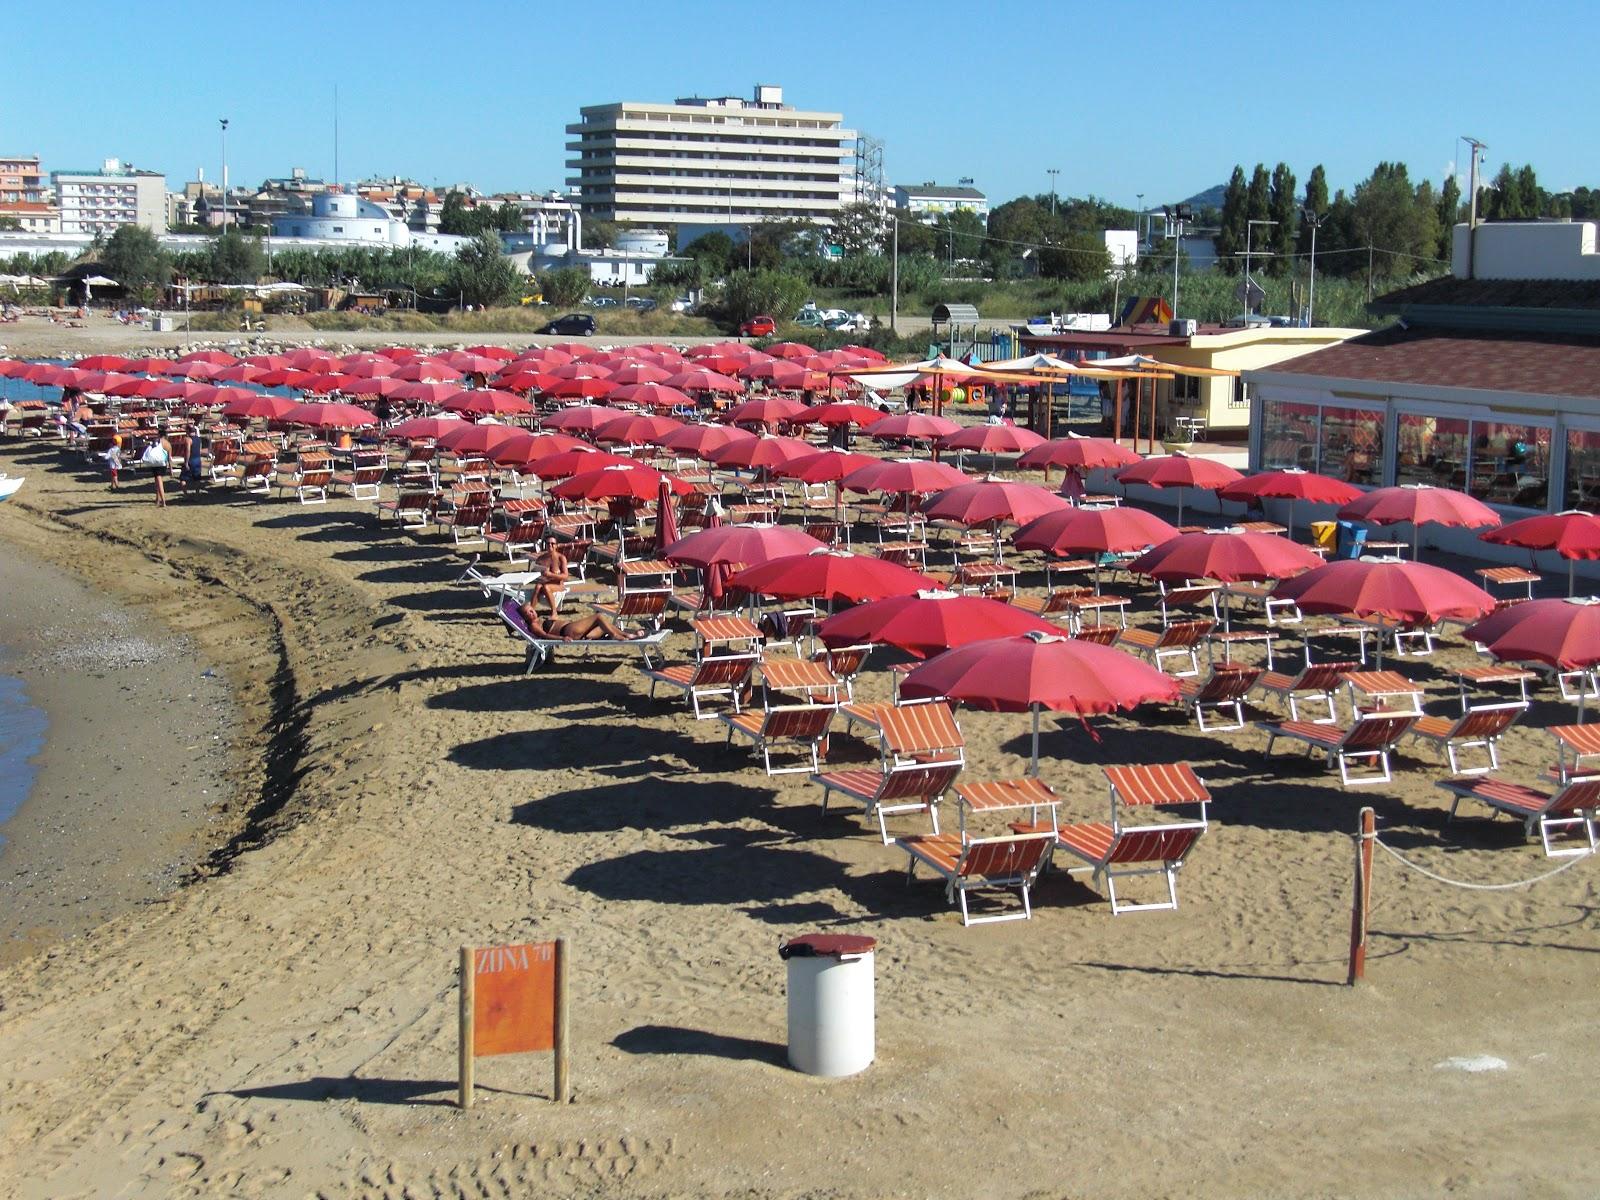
{"type": "Point", "coordinates": [1160, 99]}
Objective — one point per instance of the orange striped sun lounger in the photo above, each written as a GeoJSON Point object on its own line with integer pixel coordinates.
{"type": "Point", "coordinates": [890, 792]}
{"type": "Point", "coordinates": [723, 675]}
{"type": "Point", "coordinates": [1480, 728]}
{"type": "Point", "coordinates": [1178, 640]}
{"type": "Point", "coordinates": [805, 725]}
{"type": "Point", "coordinates": [983, 864]}
{"type": "Point", "coordinates": [1114, 849]}
{"type": "Point", "coordinates": [1320, 681]}
{"type": "Point", "coordinates": [1223, 691]}
{"type": "Point", "coordinates": [1568, 807]}
{"type": "Point", "coordinates": [921, 734]}
{"type": "Point", "coordinates": [1373, 736]}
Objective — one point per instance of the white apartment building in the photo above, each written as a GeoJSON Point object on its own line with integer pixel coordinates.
{"type": "Point", "coordinates": [927, 201]}
{"type": "Point", "coordinates": [99, 201]}
{"type": "Point", "coordinates": [714, 160]}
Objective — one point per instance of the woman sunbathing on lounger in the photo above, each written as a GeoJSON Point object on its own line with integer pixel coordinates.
{"type": "Point", "coordinates": [553, 578]}
{"type": "Point", "coordinates": [594, 628]}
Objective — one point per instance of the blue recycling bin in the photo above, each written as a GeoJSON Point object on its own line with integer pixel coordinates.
{"type": "Point", "coordinates": [1352, 540]}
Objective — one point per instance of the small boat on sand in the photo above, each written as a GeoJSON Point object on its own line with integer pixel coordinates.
{"type": "Point", "coordinates": [9, 486]}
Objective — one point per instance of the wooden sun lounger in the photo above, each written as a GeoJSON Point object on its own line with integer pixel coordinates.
{"type": "Point", "coordinates": [1573, 805]}
{"type": "Point", "coordinates": [718, 675]}
{"type": "Point", "coordinates": [1114, 850]}
{"type": "Point", "coordinates": [1373, 736]}
{"type": "Point", "coordinates": [1320, 681]}
{"type": "Point", "coordinates": [1480, 727]}
{"type": "Point", "coordinates": [542, 650]}
{"type": "Point", "coordinates": [886, 793]}
{"type": "Point", "coordinates": [1178, 640]}
{"type": "Point", "coordinates": [982, 864]}
{"type": "Point", "coordinates": [1224, 690]}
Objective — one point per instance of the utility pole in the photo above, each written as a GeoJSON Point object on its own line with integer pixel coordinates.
{"type": "Point", "coordinates": [1175, 216]}
{"type": "Point", "coordinates": [1315, 221]}
{"type": "Point", "coordinates": [894, 276]}
{"type": "Point", "coordinates": [223, 121]}
{"type": "Point", "coordinates": [1138, 222]}
{"type": "Point", "coordinates": [1472, 205]}
{"type": "Point", "coordinates": [1250, 228]}
{"type": "Point", "coordinates": [1052, 172]}
{"type": "Point", "coordinates": [1369, 272]}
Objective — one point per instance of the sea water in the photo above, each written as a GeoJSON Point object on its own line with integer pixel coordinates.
{"type": "Point", "coordinates": [22, 728]}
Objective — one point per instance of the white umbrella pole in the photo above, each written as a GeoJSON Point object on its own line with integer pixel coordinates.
{"type": "Point", "coordinates": [1033, 767]}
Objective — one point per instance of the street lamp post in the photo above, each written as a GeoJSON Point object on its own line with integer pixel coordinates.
{"type": "Point", "coordinates": [223, 121]}
{"type": "Point", "coordinates": [1138, 223]}
{"type": "Point", "coordinates": [1249, 232]}
{"type": "Point", "coordinates": [1052, 172]}
{"type": "Point", "coordinates": [1314, 220]}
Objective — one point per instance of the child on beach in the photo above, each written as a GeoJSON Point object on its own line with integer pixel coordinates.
{"type": "Point", "coordinates": [113, 457]}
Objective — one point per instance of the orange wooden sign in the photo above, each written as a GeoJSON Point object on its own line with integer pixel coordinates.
{"type": "Point", "coordinates": [514, 998]}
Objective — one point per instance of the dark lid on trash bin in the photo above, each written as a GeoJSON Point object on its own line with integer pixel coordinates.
{"type": "Point", "coordinates": [818, 945]}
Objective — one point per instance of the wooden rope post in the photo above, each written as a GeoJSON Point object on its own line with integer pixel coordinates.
{"type": "Point", "coordinates": [468, 990]}
{"type": "Point", "coordinates": [563, 1088]}
{"type": "Point", "coordinates": [1361, 902]}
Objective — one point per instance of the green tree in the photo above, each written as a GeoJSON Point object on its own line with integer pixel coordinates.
{"type": "Point", "coordinates": [454, 218]}
{"type": "Point", "coordinates": [482, 275]}
{"type": "Point", "coordinates": [135, 259]}
{"type": "Point", "coordinates": [565, 286]}
{"type": "Point", "coordinates": [959, 235]}
{"type": "Point", "coordinates": [235, 258]}
{"type": "Point", "coordinates": [1231, 227]}
{"type": "Point", "coordinates": [1282, 208]}
{"type": "Point", "coordinates": [1316, 202]}
{"type": "Point", "coordinates": [913, 237]}
{"type": "Point", "coordinates": [860, 228]}
{"type": "Point", "coordinates": [713, 251]}
{"type": "Point", "coordinates": [752, 293]}
{"type": "Point", "coordinates": [1078, 256]}
{"type": "Point", "coordinates": [598, 234]}
{"type": "Point", "coordinates": [507, 218]}
{"type": "Point", "coordinates": [1449, 214]}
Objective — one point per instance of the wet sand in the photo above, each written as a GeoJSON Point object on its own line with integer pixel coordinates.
{"type": "Point", "coordinates": [132, 776]}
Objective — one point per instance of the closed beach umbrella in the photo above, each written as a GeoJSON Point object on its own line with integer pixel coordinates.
{"type": "Point", "coordinates": [831, 575]}
{"type": "Point", "coordinates": [1409, 592]}
{"type": "Point", "coordinates": [1036, 671]}
{"type": "Point", "coordinates": [747, 544]}
{"type": "Point", "coordinates": [927, 623]}
{"type": "Point", "coordinates": [666, 518]}
{"type": "Point", "coordinates": [1420, 504]}
{"type": "Point", "coordinates": [1180, 471]}
{"type": "Point", "coordinates": [1571, 534]}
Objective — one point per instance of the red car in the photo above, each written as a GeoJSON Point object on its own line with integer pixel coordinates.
{"type": "Point", "coordinates": [758, 326]}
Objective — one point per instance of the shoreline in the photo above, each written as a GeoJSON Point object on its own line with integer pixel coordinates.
{"type": "Point", "coordinates": [144, 773]}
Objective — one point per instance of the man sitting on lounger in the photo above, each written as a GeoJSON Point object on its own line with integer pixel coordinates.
{"type": "Point", "coordinates": [596, 627]}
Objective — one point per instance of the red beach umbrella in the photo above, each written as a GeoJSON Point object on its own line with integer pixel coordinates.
{"type": "Point", "coordinates": [1180, 471]}
{"type": "Point", "coordinates": [1291, 484]}
{"type": "Point", "coordinates": [926, 623]}
{"type": "Point", "coordinates": [370, 367]}
{"type": "Point", "coordinates": [467, 438]}
{"type": "Point", "coordinates": [1226, 555]}
{"type": "Point", "coordinates": [426, 393]}
{"type": "Point", "coordinates": [916, 427]}
{"type": "Point", "coordinates": [102, 362]}
{"type": "Point", "coordinates": [666, 519]}
{"type": "Point", "coordinates": [1037, 671]}
{"type": "Point", "coordinates": [254, 406]}
{"type": "Point", "coordinates": [779, 372]}
{"type": "Point", "coordinates": [565, 463]}
{"type": "Point", "coordinates": [845, 412]}
{"type": "Point", "coordinates": [698, 379]}
{"type": "Point", "coordinates": [618, 481]}
{"type": "Point", "coordinates": [1564, 634]}
{"type": "Point", "coordinates": [748, 544]}
{"type": "Point", "coordinates": [581, 389]}
{"type": "Point", "coordinates": [762, 453]}
{"type": "Point", "coordinates": [1420, 504]}
{"type": "Point", "coordinates": [423, 370]}
{"type": "Point", "coordinates": [527, 449]}
{"type": "Point", "coordinates": [487, 402]}
{"type": "Point", "coordinates": [206, 395]}
{"type": "Point", "coordinates": [704, 440]}
{"type": "Point", "coordinates": [525, 381]}
{"type": "Point", "coordinates": [769, 410]}
{"type": "Point", "coordinates": [636, 429]}
{"type": "Point", "coordinates": [993, 501]}
{"type": "Point", "coordinates": [904, 475]}
{"type": "Point", "coordinates": [993, 439]}
{"type": "Point", "coordinates": [329, 416]}
{"type": "Point", "coordinates": [1571, 534]}
{"type": "Point", "coordinates": [585, 369]}
{"type": "Point", "coordinates": [473, 364]}
{"type": "Point", "coordinates": [651, 395]}
{"type": "Point", "coordinates": [421, 429]}
{"type": "Point", "coordinates": [500, 353]}
{"type": "Point", "coordinates": [323, 384]}
{"type": "Point", "coordinates": [377, 386]}
{"type": "Point", "coordinates": [866, 353]}
{"type": "Point", "coordinates": [214, 357]}
{"type": "Point", "coordinates": [831, 575]}
{"type": "Point", "coordinates": [640, 373]}
{"type": "Point", "coordinates": [1410, 592]}
{"type": "Point", "coordinates": [582, 418]}
{"type": "Point", "coordinates": [791, 350]}
{"type": "Point", "coordinates": [824, 466]}
{"type": "Point", "coordinates": [1078, 453]}
{"type": "Point", "coordinates": [1093, 531]}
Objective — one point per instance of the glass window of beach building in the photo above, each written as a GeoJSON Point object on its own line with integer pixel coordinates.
{"type": "Point", "coordinates": [1583, 469]}
{"type": "Point", "coordinates": [1496, 461]}
{"type": "Point", "coordinates": [1343, 441]}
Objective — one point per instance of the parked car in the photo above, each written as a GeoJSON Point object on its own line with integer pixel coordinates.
{"type": "Point", "coordinates": [758, 326]}
{"type": "Point", "coordinates": [571, 325]}
{"type": "Point", "coordinates": [640, 303]}
{"type": "Point", "coordinates": [683, 305]}
{"type": "Point", "coordinates": [810, 318]}
{"type": "Point", "coordinates": [603, 302]}
{"type": "Point", "coordinates": [850, 323]}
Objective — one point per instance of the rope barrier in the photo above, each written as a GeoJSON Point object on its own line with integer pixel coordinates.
{"type": "Point", "coordinates": [1475, 887]}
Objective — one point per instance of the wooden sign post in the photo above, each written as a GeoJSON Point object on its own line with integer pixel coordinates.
{"type": "Point", "coordinates": [514, 1001]}
{"type": "Point", "coordinates": [1361, 901]}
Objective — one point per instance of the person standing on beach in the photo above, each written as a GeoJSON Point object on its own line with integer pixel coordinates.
{"type": "Point", "coordinates": [158, 457]}
{"type": "Point", "coordinates": [193, 474]}
{"type": "Point", "coordinates": [114, 459]}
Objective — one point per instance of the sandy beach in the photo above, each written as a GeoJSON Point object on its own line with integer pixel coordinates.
{"type": "Point", "coordinates": [285, 1025]}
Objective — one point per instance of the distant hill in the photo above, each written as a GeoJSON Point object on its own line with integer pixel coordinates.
{"type": "Point", "coordinates": [1210, 198]}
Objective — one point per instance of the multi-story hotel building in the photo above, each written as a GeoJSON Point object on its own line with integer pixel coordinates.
{"type": "Point", "coordinates": [21, 180]}
{"type": "Point", "coordinates": [723, 160]}
{"type": "Point", "coordinates": [99, 201]}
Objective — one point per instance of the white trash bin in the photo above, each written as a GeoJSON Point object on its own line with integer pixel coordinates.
{"type": "Point", "coordinates": [832, 1012]}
